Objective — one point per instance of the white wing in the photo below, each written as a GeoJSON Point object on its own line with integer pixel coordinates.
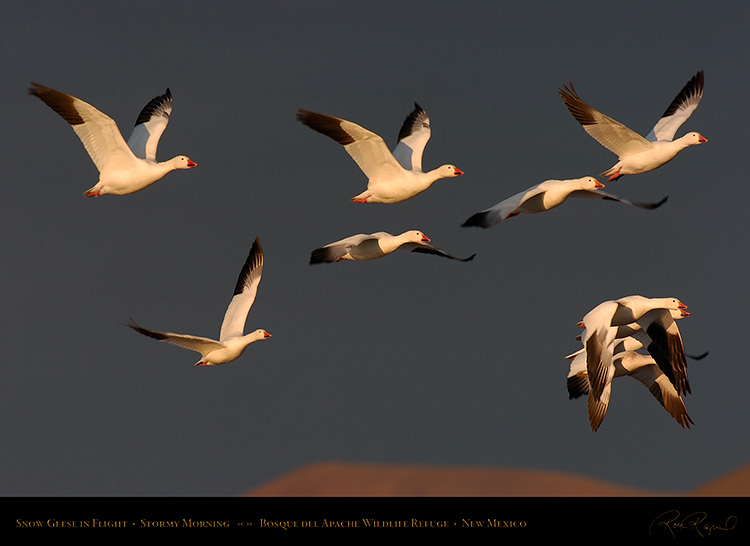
{"type": "Point", "coordinates": [413, 137]}
{"type": "Point", "coordinates": [659, 385]}
{"type": "Point", "coordinates": [97, 131]}
{"type": "Point", "coordinates": [598, 405]}
{"type": "Point", "coordinates": [244, 294]}
{"type": "Point", "coordinates": [679, 111]}
{"type": "Point", "coordinates": [150, 125]}
{"type": "Point", "coordinates": [611, 134]}
{"type": "Point", "coordinates": [367, 149]}
{"type": "Point", "coordinates": [597, 340]}
{"type": "Point", "coordinates": [333, 252]}
{"type": "Point", "coordinates": [202, 345]}
{"type": "Point", "coordinates": [502, 210]}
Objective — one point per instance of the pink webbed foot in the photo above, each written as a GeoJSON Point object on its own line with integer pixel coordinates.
{"type": "Point", "coordinates": [615, 176]}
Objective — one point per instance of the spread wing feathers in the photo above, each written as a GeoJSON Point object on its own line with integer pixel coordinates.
{"type": "Point", "coordinates": [366, 148]}
{"type": "Point", "coordinates": [611, 134]}
{"type": "Point", "coordinates": [598, 194]}
{"type": "Point", "coordinates": [327, 254]}
{"type": "Point", "coordinates": [647, 373]}
{"type": "Point", "coordinates": [663, 390]}
{"type": "Point", "coordinates": [336, 251]}
{"type": "Point", "coordinates": [198, 344]}
{"type": "Point", "coordinates": [679, 111]}
{"type": "Point", "coordinates": [150, 125]}
{"type": "Point", "coordinates": [502, 210]}
{"type": "Point", "coordinates": [429, 249]}
{"type": "Point", "coordinates": [578, 385]}
{"type": "Point", "coordinates": [98, 132]}
{"type": "Point", "coordinates": [244, 294]}
{"type": "Point", "coordinates": [667, 348]}
{"type": "Point", "coordinates": [597, 406]}
{"type": "Point", "coordinates": [412, 139]}
{"type": "Point", "coordinates": [578, 379]}
{"type": "Point", "coordinates": [598, 362]}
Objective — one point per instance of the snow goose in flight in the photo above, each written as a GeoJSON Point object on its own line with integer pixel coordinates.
{"type": "Point", "coordinates": [545, 196]}
{"type": "Point", "coordinates": [376, 245]}
{"type": "Point", "coordinates": [123, 167]}
{"type": "Point", "coordinates": [638, 154]}
{"type": "Point", "coordinates": [641, 367]}
{"type": "Point", "coordinates": [657, 332]}
{"type": "Point", "coordinates": [601, 330]}
{"type": "Point", "coordinates": [232, 343]}
{"type": "Point", "coordinates": [393, 177]}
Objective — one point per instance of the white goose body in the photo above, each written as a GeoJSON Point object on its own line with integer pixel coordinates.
{"type": "Point", "coordinates": [376, 245]}
{"type": "Point", "coordinates": [124, 167]}
{"type": "Point", "coordinates": [638, 154]}
{"type": "Point", "coordinates": [545, 196]}
{"type": "Point", "coordinates": [392, 177]}
{"type": "Point", "coordinates": [232, 342]}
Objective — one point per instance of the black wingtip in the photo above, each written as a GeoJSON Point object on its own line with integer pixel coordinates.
{"type": "Point", "coordinates": [326, 125]}
{"type": "Point", "coordinates": [153, 106]}
{"type": "Point", "coordinates": [697, 357]}
{"type": "Point", "coordinates": [321, 255]}
{"type": "Point", "coordinates": [315, 257]}
{"type": "Point", "coordinates": [477, 220]}
{"type": "Point", "coordinates": [155, 335]}
{"type": "Point", "coordinates": [255, 259]}
{"type": "Point", "coordinates": [659, 204]}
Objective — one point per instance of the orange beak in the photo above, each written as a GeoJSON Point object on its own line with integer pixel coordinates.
{"type": "Point", "coordinates": [459, 172]}
{"type": "Point", "coordinates": [702, 139]}
{"type": "Point", "coordinates": [598, 185]}
{"type": "Point", "coordinates": [192, 163]}
{"type": "Point", "coordinates": [425, 239]}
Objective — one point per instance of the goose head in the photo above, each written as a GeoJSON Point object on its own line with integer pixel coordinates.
{"type": "Point", "coordinates": [449, 171]}
{"type": "Point", "coordinates": [416, 236]}
{"type": "Point", "coordinates": [183, 162]}
{"type": "Point", "coordinates": [691, 139]}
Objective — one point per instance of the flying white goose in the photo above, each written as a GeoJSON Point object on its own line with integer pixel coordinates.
{"type": "Point", "coordinates": [123, 167]}
{"type": "Point", "coordinates": [627, 363]}
{"type": "Point", "coordinates": [376, 245]}
{"type": "Point", "coordinates": [545, 196]}
{"type": "Point", "coordinates": [656, 331]}
{"type": "Point", "coordinates": [393, 177]}
{"type": "Point", "coordinates": [232, 343]}
{"type": "Point", "coordinates": [601, 330]}
{"type": "Point", "coordinates": [637, 154]}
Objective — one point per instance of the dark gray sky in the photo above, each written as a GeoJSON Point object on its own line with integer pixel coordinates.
{"type": "Point", "coordinates": [409, 359]}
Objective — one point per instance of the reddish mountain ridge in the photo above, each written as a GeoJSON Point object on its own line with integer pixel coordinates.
{"type": "Point", "coordinates": [372, 480]}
